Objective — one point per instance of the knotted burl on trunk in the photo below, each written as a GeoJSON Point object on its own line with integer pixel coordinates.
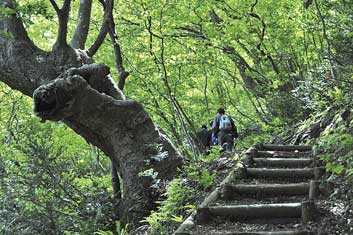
{"type": "Point", "coordinates": [52, 100]}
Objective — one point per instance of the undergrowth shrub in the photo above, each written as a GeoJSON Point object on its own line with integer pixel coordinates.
{"type": "Point", "coordinates": [198, 170]}
{"type": "Point", "coordinates": [335, 146]}
{"type": "Point", "coordinates": [119, 230]}
{"type": "Point", "coordinates": [250, 140]}
{"type": "Point", "coordinates": [182, 193]}
{"type": "Point", "coordinates": [170, 210]}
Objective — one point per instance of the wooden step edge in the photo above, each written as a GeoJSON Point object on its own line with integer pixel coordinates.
{"type": "Point", "coordinates": [289, 148]}
{"type": "Point", "coordinates": [253, 211]}
{"type": "Point", "coordinates": [286, 232]}
{"type": "Point", "coordinates": [278, 159]}
{"type": "Point", "coordinates": [304, 210]}
{"type": "Point", "coordinates": [190, 221]}
{"type": "Point", "coordinates": [291, 162]}
{"type": "Point", "coordinates": [313, 189]}
{"type": "Point", "coordinates": [231, 191]}
{"type": "Point", "coordinates": [314, 173]}
{"type": "Point", "coordinates": [252, 152]}
{"type": "Point", "coordinates": [185, 227]}
{"type": "Point", "coordinates": [266, 153]}
{"type": "Point", "coordinates": [284, 162]}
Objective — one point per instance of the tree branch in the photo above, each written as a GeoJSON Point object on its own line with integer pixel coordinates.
{"type": "Point", "coordinates": [214, 17]}
{"type": "Point", "coordinates": [108, 26]}
{"type": "Point", "coordinates": [63, 16]}
{"type": "Point", "coordinates": [160, 62]}
{"type": "Point", "coordinates": [13, 25]}
{"type": "Point", "coordinates": [254, 5]}
{"type": "Point", "coordinates": [307, 3]}
{"type": "Point", "coordinates": [262, 37]}
{"type": "Point", "coordinates": [55, 6]}
{"type": "Point", "coordinates": [325, 36]}
{"type": "Point", "coordinates": [118, 56]}
{"type": "Point", "coordinates": [83, 22]}
{"type": "Point", "coordinates": [108, 8]}
{"type": "Point", "coordinates": [20, 57]}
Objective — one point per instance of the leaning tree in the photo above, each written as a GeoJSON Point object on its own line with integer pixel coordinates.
{"type": "Point", "coordinates": [68, 86]}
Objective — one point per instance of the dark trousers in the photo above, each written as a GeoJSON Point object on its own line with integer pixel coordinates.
{"type": "Point", "coordinates": [225, 139]}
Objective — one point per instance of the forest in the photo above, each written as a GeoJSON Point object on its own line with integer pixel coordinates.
{"type": "Point", "coordinates": [102, 103]}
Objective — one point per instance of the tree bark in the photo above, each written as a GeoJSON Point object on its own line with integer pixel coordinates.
{"type": "Point", "coordinates": [83, 21]}
{"type": "Point", "coordinates": [85, 98]}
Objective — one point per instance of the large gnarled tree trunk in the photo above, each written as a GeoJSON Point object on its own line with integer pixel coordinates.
{"type": "Point", "coordinates": [66, 85]}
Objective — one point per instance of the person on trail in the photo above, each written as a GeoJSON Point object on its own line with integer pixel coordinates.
{"type": "Point", "coordinates": [212, 136]}
{"type": "Point", "coordinates": [203, 138]}
{"type": "Point", "coordinates": [225, 130]}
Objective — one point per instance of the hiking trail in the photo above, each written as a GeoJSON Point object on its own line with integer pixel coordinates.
{"type": "Point", "coordinates": [272, 192]}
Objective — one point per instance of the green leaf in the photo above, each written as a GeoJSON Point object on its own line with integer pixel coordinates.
{"type": "Point", "coordinates": [338, 169]}
{"type": "Point", "coordinates": [7, 11]}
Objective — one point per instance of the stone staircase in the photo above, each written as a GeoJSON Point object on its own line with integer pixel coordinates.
{"type": "Point", "coordinates": [273, 192]}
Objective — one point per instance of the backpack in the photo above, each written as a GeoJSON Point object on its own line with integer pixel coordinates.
{"type": "Point", "coordinates": [225, 123]}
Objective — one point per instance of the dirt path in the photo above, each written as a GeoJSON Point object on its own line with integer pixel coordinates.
{"type": "Point", "coordinates": [272, 193]}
